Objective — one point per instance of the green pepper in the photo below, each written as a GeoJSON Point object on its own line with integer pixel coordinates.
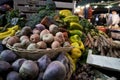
{"type": "Point", "coordinates": [75, 25]}
{"type": "Point", "coordinates": [75, 38]}
{"type": "Point", "coordinates": [72, 18]}
{"type": "Point", "coordinates": [75, 32]}
{"type": "Point", "coordinates": [65, 13]}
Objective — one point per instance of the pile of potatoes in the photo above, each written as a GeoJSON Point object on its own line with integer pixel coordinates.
{"type": "Point", "coordinates": [40, 38]}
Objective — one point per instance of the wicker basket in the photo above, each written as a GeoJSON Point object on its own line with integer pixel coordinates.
{"type": "Point", "coordinates": [36, 54]}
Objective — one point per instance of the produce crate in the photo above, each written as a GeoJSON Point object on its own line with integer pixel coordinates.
{"type": "Point", "coordinates": [31, 6]}
{"type": "Point", "coordinates": [115, 34]}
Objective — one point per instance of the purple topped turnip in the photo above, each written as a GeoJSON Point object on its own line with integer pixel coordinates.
{"type": "Point", "coordinates": [29, 70]}
{"type": "Point", "coordinates": [43, 62]}
{"type": "Point", "coordinates": [55, 71]}
{"type": "Point", "coordinates": [40, 27]}
{"type": "Point", "coordinates": [17, 64]}
{"type": "Point", "coordinates": [8, 55]}
{"type": "Point", "coordinates": [13, 76]}
{"type": "Point", "coordinates": [4, 67]}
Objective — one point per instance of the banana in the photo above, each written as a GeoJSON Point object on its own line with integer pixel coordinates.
{"type": "Point", "coordinates": [5, 33]}
{"type": "Point", "coordinates": [10, 32]}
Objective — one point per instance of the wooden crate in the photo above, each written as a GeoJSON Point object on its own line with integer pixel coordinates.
{"type": "Point", "coordinates": [29, 8]}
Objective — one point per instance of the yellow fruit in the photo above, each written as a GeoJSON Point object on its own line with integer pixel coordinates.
{"type": "Point", "coordinates": [10, 32]}
{"type": "Point", "coordinates": [76, 53]}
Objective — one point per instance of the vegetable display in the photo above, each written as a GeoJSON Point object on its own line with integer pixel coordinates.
{"type": "Point", "coordinates": [46, 31]}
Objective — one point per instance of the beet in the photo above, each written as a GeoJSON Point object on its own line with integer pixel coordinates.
{"type": "Point", "coordinates": [43, 62]}
{"type": "Point", "coordinates": [40, 27]}
{"type": "Point", "coordinates": [63, 59]}
{"type": "Point", "coordinates": [17, 64]}
{"type": "Point", "coordinates": [29, 70]}
{"type": "Point", "coordinates": [13, 76]}
{"type": "Point", "coordinates": [55, 71]}
{"type": "Point", "coordinates": [4, 67]}
{"type": "Point", "coordinates": [8, 55]}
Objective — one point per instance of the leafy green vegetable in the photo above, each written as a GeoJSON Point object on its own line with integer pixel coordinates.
{"type": "Point", "coordinates": [87, 26]}
{"type": "Point", "coordinates": [47, 10]}
{"type": "Point", "coordinates": [11, 14]}
{"type": "Point", "coordinates": [13, 17]}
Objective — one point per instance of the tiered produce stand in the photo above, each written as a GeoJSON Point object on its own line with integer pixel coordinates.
{"type": "Point", "coordinates": [52, 45]}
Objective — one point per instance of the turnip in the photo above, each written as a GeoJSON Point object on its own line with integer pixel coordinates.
{"type": "Point", "coordinates": [43, 62]}
{"type": "Point", "coordinates": [17, 64]}
{"type": "Point", "coordinates": [4, 67]}
{"type": "Point", "coordinates": [13, 76]}
{"type": "Point", "coordinates": [29, 70]}
{"type": "Point", "coordinates": [55, 71]}
{"type": "Point", "coordinates": [40, 27]}
{"type": "Point", "coordinates": [8, 55]}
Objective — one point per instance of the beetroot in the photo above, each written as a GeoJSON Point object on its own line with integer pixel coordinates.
{"type": "Point", "coordinates": [4, 67]}
{"type": "Point", "coordinates": [55, 71]}
{"type": "Point", "coordinates": [43, 62]}
{"type": "Point", "coordinates": [13, 76]}
{"type": "Point", "coordinates": [63, 59]}
{"type": "Point", "coordinates": [29, 70]}
{"type": "Point", "coordinates": [8, 55]}
{"type": "Point", "coordinates": [17, 64]}
{"type": "Point", "coordinates": [40, 27]}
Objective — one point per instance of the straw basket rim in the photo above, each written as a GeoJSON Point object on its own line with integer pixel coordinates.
{"type": "Point", "coordinates": [38, 52]}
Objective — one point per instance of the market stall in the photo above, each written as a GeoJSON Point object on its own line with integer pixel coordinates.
{"type": "Point", "coordinates": [56, 45]}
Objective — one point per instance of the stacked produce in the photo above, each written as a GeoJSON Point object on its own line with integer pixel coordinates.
{"type": "Point", "coordinates": [14, 68]}
{"type": "Point", "coordinates": [75, 32]}
{"type": "Point", "coordinates": [102, 44]}
{"type": "Point", "coordinates": [39, 38]}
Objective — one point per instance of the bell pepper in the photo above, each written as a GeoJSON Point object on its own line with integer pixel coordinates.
{"type": "Point", "coordinates": [81, 46]}
{"type": "Point", "coordinates": [75, 38]}
{"type": "Point", "coordinates": [75, 45]}
{"type": "Point", "coordinates": [75, 32]}
{"type": "Point", "coordinates": [65, 12]}
{"type": "Point", "coordinates": [75, 25]}
{"type": "Point", "coordinates": [76, 53]}
{"type": "Point", "coordinates": [72, 18]}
